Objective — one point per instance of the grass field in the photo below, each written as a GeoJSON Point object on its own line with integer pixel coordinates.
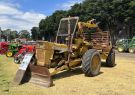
{"type": "Point", "coordinates": [111, 81]}
{"type": "Point", "coordinates": [6, 74]}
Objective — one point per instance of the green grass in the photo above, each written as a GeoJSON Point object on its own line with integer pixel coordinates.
{"type": "Point", "coordinates": [6, 74]}
{"type": "Point", "coordinates": [8, 70]}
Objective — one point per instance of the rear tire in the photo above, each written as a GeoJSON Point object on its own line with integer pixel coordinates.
{"type": "Point", "coordinates": [91, 62]}
{"type": "Point", "coordinates": [131, 50]}
{"type": "Point", "coordinates": [110, 61]}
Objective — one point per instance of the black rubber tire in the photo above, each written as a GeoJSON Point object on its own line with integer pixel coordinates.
{"type": "Point", "coordinates": [16, 61]}
{"type": "Point", "coordinates": [110, 61]}
{"type": "Point", "coordinates": [87, 63]}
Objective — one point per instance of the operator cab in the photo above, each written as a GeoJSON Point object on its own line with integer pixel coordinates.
{"type": "Point", "coordinates": [66, 30]}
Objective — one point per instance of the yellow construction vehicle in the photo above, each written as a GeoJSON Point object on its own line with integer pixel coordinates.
{"type": "Point", "coordinates": [71, 49]}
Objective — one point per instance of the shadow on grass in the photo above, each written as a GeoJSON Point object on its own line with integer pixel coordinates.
{"type": "Point", "coordinates": [103, 64]}
{"type": "Point", "coordinates": [66, 74]}
{"type": "Point", "coordinates": [70, 73]}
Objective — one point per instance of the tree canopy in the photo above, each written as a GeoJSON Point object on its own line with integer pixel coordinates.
{"type": "Point", "coordinates": [10, 35]}
{"type": "Point", "coordinates": [117, 16]}
{"type": "Point", "coordinates": [24, 34]}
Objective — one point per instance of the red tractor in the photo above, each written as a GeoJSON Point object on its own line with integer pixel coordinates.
{"type": "Point", "coordinates": [3, 47]}
{"type": "Point", "coordinates": [23, 49]}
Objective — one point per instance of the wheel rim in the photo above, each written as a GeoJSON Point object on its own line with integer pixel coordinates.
{"type": "Point", "coordinates": [120, 49]}
{"type": "Point", "coordinates": [9, 54]}
{"type": "Point", "coordinates": [131, 50]}
{"type": "Point", "coordinates": [95, 63]}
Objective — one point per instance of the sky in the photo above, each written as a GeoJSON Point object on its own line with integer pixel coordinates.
{"type": "Point", "coordinates": [24, 14]}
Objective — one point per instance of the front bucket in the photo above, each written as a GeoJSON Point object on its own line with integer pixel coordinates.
{"type": "Point", "coordinates": [40, 75]}
{"type": "Point", "coordinates": [34, 74]}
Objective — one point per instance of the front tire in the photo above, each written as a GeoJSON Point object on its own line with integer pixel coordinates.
{"type": "Point", "coordinates": [91, 62]}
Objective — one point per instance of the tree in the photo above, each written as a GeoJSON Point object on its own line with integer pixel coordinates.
{"type": "Point", "coordinates": [24, 34]}
{"type": "Point", "coordinates": [113, 15]}
{"type": "Point", "coordinates": [49, 26]}
{"type": "Point", "coordinates": [35, 33]}
{"type": "Point", "coordinates": [9, 34]}
{"type": "Point", "coordinates": [14, 34]}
